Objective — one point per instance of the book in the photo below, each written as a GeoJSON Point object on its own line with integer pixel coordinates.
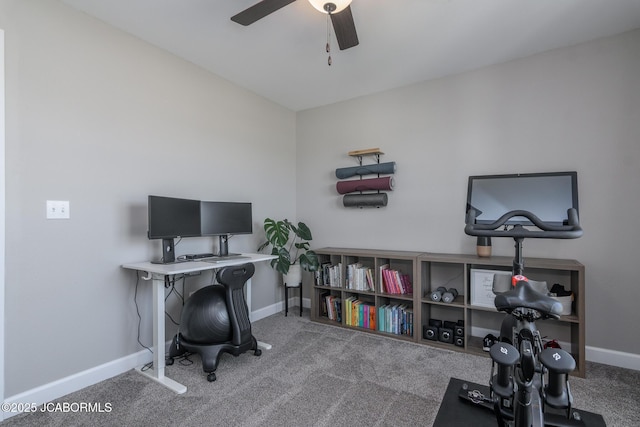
{"type": "Point", "coordinates": [381, 317]}
{"type": "Point", "coordinates": [372, 318]}
{"type": "Point", "coordinates": [381, 280]}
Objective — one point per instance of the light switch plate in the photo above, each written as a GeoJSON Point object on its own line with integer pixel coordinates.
{"type": "Point", "coordinates": [57, 209]}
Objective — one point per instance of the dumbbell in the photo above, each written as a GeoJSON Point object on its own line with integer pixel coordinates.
{"type": "Point", "coordinates": [437, 294]}
{"type": "Point", "coordinates": [505, 356]}
{"type": "Point", "coordinates": [450, 295]}
{"type": "Point", "coordinates": [560, 364]}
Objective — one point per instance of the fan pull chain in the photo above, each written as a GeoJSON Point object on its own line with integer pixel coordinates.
{"type": "Point", "coordinates": [328, 47]}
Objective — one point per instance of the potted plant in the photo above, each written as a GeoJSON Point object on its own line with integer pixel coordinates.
{"type": "Point", "coordinates": [290, 243]}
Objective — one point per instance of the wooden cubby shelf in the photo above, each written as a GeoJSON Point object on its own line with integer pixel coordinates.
{"type": "Point", "coordinates": [351, 284]}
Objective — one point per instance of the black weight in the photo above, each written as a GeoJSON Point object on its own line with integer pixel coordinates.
{"type": "Point", "coordinates": [445, 335]}
{"type": "Point", "coordinates": [450, 295]}
{"type": "Point", "coordinates": [435, 322]}
{"type": "Point", "coordinates": [505, 356]}
{"type": "Point", "coordinates": [560, 364]}
{"type": "Point", "coordinates": [430, 333]}
{"type": "Point", "coordinates": [557, 360]}
{"type": "Point", "coordinates": [459, 329]}
{"type": "Point", "coordinates": [437, 294]}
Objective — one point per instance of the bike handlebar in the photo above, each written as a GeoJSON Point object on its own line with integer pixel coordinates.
{"type": "Point", "coordinates": [545, 231]}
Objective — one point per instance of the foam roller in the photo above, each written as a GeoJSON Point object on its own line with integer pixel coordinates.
{"type": "Point", "coordinates": [365, 200]}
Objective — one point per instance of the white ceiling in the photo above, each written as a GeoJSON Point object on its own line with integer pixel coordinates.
{"type": "Point", "coordinates": [282, 56]}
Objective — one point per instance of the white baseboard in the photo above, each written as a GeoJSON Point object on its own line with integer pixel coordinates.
{"type": "Point", "coordinates": [278, 308]}
{"type": "Point", "coordinates": [59, 388]}
{"type": "Point", "coordinates": [592, 354]}
{"type": "Point", "coordinates": [613, 358]}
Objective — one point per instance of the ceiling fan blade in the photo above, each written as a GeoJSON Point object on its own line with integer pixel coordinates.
{"type": "Point", "coordinates": [345, 29]}
{"type": "Point", "coordinates": [259, 11]}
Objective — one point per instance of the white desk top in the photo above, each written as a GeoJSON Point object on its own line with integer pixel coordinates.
{"type": "Point", "coordinates": [199, 265]}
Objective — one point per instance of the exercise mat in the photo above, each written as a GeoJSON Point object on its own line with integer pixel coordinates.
{"type": "Point", "coordinates": [455, 412]}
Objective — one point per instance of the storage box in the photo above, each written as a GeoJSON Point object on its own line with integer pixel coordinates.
{"type": "Point", "coordinates": [566, 304]}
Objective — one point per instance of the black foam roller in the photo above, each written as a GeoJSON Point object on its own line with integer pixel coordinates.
{"type": "Point", "coordinates": [364, 200]}
{"type": "Point", "coordinates": [376, 168]}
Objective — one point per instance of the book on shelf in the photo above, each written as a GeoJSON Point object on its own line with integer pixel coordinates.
{"type": "Point", "coordinates": [334, 308]}
{"type": "Point", "coordinates": [323, 304]}
{"type": "Point", "coordinates": [395, 282]}
{"type": "Point", "coordinates": [355, 310]}
{"type": "Point", "coordinates": [348, 309]}
{"type": "Point", "coordinates": [381, 274]}
{"type": "Point", "coordinates": [359, 313]}
{"type": "Point", "coordinates": [330, 274]}
{"type": "Point", "coordinates": [318, 277]}
{"type": "Point", "coordinates": [359, 278]}
{"type": "Point", "coordinates": [372, 317]}
{"type": "Point", "coordinates": [381, 317]}
{"type": "Point", "coordinates": [395, 319]}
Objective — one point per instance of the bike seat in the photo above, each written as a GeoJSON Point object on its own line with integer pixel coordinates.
{"type": "Point", "coordinates": [523, 295]}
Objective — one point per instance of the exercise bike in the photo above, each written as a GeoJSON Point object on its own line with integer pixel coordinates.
{"type": "Point", "coordinates": [529, 385]}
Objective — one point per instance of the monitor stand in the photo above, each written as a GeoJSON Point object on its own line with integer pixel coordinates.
{"type": "Point", "coordinates": [224, 246]}
{"type": "Point", "coordinates": [168, 252]}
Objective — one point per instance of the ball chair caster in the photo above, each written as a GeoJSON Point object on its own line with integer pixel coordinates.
{"type": "Point", "coordinates": [169, 361]}
{"type": "Point", "coordinates": [257, 352]}
{"type": "Point", "coordinates": [211, 377]}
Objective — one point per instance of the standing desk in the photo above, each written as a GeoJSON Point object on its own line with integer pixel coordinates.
{"type": "Point", "coordinates": [157, 273]}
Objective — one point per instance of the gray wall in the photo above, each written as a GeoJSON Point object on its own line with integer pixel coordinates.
{"type": "Point", "coordinates": [575, 108]}
{"type": "Point", "coordinates": [102, 119]}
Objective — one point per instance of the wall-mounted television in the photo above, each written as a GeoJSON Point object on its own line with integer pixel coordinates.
{"type": "Point", "coordinates": [547, 195]}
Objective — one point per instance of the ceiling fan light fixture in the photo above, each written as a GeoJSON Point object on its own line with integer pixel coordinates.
{"type": "Point", "coordinates": [330, 6]}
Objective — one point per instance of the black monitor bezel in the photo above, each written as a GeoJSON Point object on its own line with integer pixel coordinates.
{"type": "Point", "coordinates": [522, 220]}
{"type": "Point", "coordinates": [153, 233]}
{"type": "Point", "coordinates": [247, 229]}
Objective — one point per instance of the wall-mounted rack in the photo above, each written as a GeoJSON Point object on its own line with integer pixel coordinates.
{"type": "Point", "coordinates": [366, 192]}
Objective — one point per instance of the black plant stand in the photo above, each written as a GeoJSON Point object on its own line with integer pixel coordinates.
{"type": "Point", "coordinates": [286, 298]}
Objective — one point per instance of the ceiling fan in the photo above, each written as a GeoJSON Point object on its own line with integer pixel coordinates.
{"type": "Point", "coordinates": [339, 11]}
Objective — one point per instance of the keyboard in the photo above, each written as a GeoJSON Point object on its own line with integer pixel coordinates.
{"type": "Point", "coordinates": [224, 258]}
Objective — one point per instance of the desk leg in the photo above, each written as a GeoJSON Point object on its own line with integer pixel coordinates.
{"type": "Point", "coordinates": [261, 344]}
{"type": "Point", "coordinates": [157, 372]}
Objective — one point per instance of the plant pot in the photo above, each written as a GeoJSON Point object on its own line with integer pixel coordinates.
{"type": "Point", "coordinates": [484, 247]}
{"type": "Point", "coordinates": [293, 278]}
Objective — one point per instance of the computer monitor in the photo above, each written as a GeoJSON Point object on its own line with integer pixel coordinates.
{"type": "Point", "coordinates": [170, 218]}
{"type": "Point", "coordinates": [546, 195]}
{"type": "Point", "coordinates": [225, 218]}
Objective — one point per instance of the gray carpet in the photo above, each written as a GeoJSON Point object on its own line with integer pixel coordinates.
{"type": "Point", "coordinates": [318, 375]}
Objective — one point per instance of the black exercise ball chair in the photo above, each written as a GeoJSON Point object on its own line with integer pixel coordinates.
{"type": "Point", "coordinates": [215, 320]}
